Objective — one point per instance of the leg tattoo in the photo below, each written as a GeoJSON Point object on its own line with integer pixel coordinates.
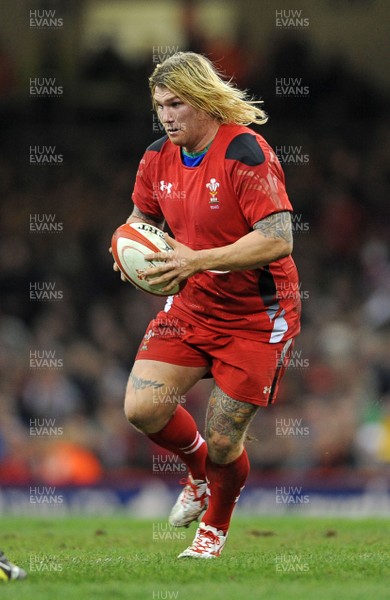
{"type": "Point", "coordinates": [141, 384]}
{"type": "Point", "coordinates": [228, 417]}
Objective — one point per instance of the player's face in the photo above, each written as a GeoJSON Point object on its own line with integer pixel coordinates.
{"type": "Point", "coordinates": [185, 125]}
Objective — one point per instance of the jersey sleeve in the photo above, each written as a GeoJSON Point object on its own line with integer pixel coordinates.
{"type": "Point", "coordinates": [144, 195]}
{"type": "Point", "coordinates": [260, 185]}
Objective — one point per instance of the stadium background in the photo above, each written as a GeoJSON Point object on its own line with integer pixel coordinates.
{"type": "Point", "coordinates": [75, 92]}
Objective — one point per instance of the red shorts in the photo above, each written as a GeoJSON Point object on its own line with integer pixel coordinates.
{"type": "Point", "coordinates": [244, 369]}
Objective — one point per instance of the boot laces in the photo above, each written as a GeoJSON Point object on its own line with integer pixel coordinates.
{"type": "Point", "coordinates": [205, 540]}
{"type": "Point", "coordinates": [190, 491]}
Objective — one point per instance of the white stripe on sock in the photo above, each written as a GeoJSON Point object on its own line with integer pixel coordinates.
{"type": "Point", "coordinates": [192, 443]}
{"type": "Point", "coordinates": [196, 444]}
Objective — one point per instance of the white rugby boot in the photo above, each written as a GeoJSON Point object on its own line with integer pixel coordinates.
{"type": "Point", "coordinates": [208, 543]}
{"type": "Point", "coordinates": [192, 501]}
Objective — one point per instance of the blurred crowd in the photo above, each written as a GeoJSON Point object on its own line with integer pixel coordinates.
{"type": "Point", "coordinates": [69, 328]}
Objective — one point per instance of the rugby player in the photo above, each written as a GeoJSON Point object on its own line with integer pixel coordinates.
{"type": "Point", "coordinates": [220, 188]}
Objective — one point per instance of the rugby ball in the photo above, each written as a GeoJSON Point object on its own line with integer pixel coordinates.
{"type": "Point", "coordinates": [130, 243]}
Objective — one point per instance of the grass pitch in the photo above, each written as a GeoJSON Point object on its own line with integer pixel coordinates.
{"type": "Point", "coordinates": [289, 558]}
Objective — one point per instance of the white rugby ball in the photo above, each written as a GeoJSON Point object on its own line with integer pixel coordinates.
{"type": "Point", "coordinates": [130, 243]}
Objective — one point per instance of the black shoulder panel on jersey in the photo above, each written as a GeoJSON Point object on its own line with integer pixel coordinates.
{"type": "Point", "coordinates": [246, 149]}
{"type": "Point", "coordinates": [158, 144]}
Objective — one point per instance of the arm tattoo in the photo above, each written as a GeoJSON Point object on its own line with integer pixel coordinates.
{"type": "Point", "coordinates": [141, 384]}
{"type": "Point", "coordinates": [147, 218]}
{"type": "Point", "coordinates": [277, 225]}
{"type": "Point", "coordinates": [227, 416]}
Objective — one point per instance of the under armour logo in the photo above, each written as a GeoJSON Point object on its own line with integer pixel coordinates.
{"type": "Point", "coordinates": [165, 186]}
{"type": "Point", "coordinates": [266, 389]}
{"type": "Point", "coordinates": [237, 498]}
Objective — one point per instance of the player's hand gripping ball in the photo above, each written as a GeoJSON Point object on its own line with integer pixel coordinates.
{"type": "Point", "coordinates": [130, 243]}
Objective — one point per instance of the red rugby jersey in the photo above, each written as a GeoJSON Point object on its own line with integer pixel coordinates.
{"type": "Point", "coordinates": [239, 182]}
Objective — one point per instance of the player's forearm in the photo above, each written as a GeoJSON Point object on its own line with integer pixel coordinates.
{"type": "Point", "coordinates": [249, 252]}
{"type": "Point", "coordinates": [137, 216]}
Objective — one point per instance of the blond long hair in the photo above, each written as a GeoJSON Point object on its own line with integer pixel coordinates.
{"type": "Point", "coordinates": [194, 79]}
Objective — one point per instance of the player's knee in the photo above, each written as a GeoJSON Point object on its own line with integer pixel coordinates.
{"type": "Point", "coordinates": [220, 447]}
{"type": "Point", "coordinates": [133, 418]}
{"type": "Point", "coordinates": [136, 409]}
{"type": "Point", "coordinates": [145, 414]}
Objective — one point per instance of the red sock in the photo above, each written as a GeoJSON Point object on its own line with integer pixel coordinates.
{"type": "Point", "coordinates": [225, 483]}
{"type": "Point", "coordinates": [181, 436]}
